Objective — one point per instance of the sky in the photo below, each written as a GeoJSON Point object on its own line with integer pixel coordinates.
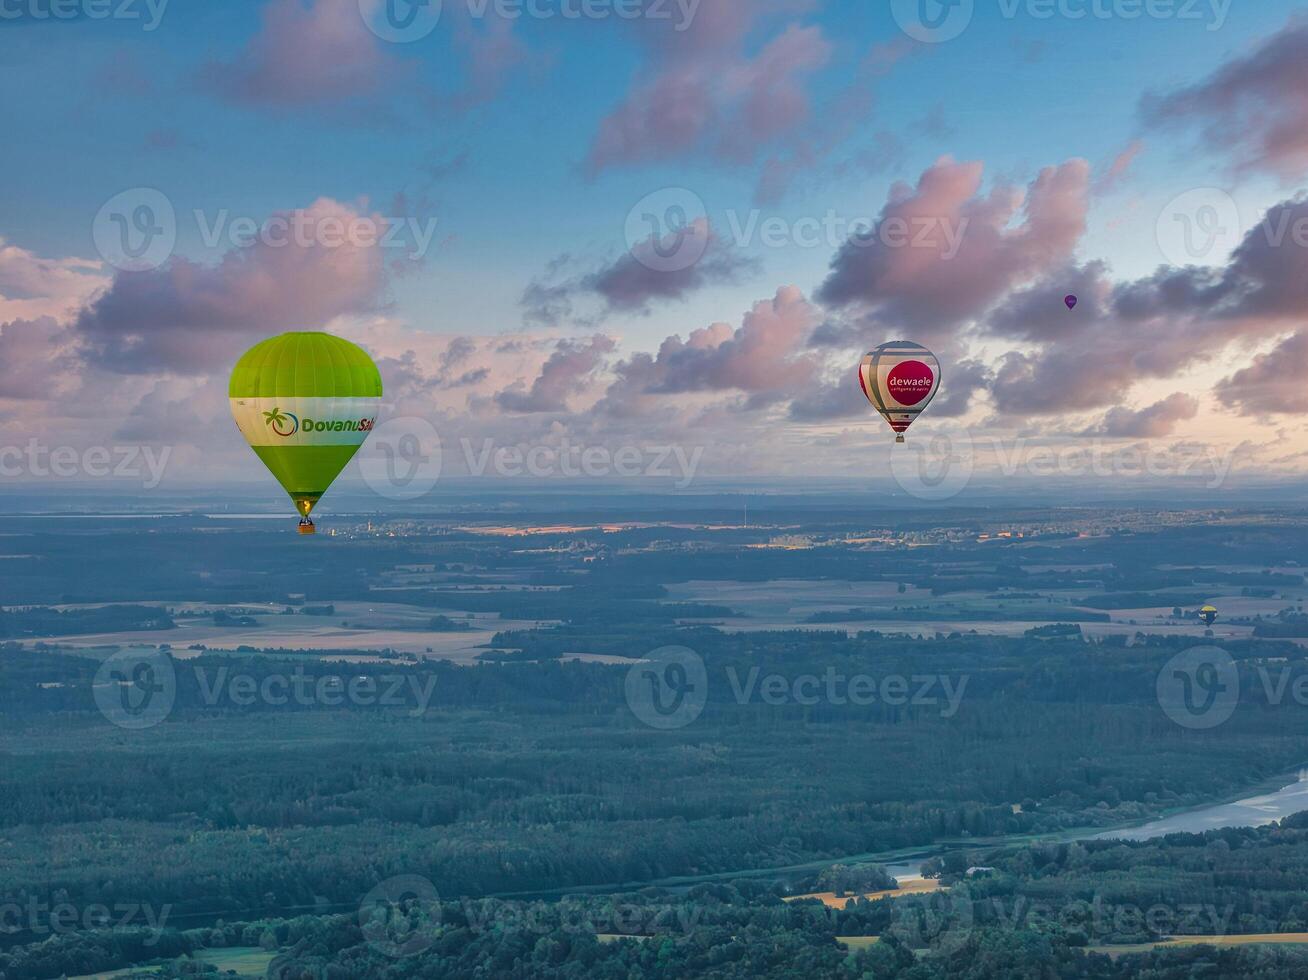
{"type": "Point", "coordinates": [650, 224]}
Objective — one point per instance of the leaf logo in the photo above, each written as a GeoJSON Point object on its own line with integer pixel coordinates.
{"type": "Point", "coordinates": [285, 424]}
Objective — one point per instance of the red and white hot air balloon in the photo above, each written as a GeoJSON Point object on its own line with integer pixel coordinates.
{"type": "Point", "coordinates": [899, 379]}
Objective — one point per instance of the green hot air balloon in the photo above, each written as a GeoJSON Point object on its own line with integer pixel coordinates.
{"type": "Point", "coordinates": [305, 402]}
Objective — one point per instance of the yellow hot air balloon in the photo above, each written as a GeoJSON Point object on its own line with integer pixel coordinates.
{"type": "Point", "coordinates": [305, 402]}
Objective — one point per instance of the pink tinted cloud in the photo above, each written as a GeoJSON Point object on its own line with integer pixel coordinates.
{"type": "Point", "coordinates": [569, 371]}
{"type": "Point", "coordinates": [36, 359]}
{"type": "Point", "coordinates": [32, 286]}
{"type": "Point", "coordinates": [1153, 421]}
{"type": "Point", "coordinates": [1253, 109]}
{"type": "Point", "coordinates": [764, 358]}
{"type": "Point", "coordinates": [190, 318]}
{"type": "Point", "coordinates": [306, 53]}
{"type": "Point", "coordinates": [943, 252]}
{"type": "Point", "coordinates": [701, 90]}
{"type": "Point", "coordinates": [1274, 382]}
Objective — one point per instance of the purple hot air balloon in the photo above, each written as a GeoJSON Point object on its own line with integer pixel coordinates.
{"type": "Point", "coordinates": [1070, 301]}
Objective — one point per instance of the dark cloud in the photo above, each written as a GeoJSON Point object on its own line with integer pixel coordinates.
{"type": "Point", "coordinates": [569, 370]}
{"type": "Point", "coordinates": [1273, 383]}
{"type": "Point", "coordinates": [638, 278]}
{"type": "Point", "coordinates": [190, 318]}
{"type": "Point", "coordinates": [942, 253]}
{"type": "Point", "coordinates": [1158, 419]}
{"type": "Point", "coordinates": [1254, 108]}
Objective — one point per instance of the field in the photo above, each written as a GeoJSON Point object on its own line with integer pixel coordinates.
{"type": "Point", "coordinates": [911, 886]}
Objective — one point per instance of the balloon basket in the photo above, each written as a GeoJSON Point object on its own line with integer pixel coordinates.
{"type": "Point", "coordinates": [307, 527]}
{"type": "Point", "coordinates": [899, 438]}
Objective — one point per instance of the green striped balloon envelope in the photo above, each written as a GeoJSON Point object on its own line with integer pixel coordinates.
{"type": "Point", "coordinates": [305, 402]}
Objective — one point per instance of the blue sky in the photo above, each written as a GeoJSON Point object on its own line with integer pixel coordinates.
{"type": "Point", "coordinates": [500, 161]}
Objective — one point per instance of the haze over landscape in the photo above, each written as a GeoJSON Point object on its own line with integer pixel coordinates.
{"type": "Point", "coordinates": [629, 644]}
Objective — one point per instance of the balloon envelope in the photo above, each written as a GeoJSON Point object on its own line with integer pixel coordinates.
{"type": "Point", "coordinates": [899, 379]}
{"type": "Point", "coordinates": [305, 402]}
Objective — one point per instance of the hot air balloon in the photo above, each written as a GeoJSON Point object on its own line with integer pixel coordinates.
{"type": "Point", "coordinates": [1208, 614]}
{"type": "Point", "coordinates": [305, 402]}
{"type": "Point", "coordinates": [899, 379]}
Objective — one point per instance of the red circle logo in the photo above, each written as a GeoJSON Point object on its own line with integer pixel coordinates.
{"type": "Point", "coordinates": [910, 381]}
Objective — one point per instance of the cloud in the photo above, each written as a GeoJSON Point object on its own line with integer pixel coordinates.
{"type": "Point", "coordinates": [942, 253]}
{"type": "Point", "coordinates": [641, 276]}
{"type": "Point", "coordinates": [569, 370]}
{"type": "Point", "coordinates": [32, 287]}
{"type": "Point", "coordinates": [1273, 383]}
{"type": "Point", "coordinates": [1254, 108]}
{"type": "Point", "coordinates": [190, 318]}
{"type": "Point", "coordinates": [36, 362]}
{"type": "Point", "coordinates": [306, 54]}
{"type": "Point", "coordinates": [700, 91]}
{"type": "Point", "coordinates": [1149, 328]}
{"type": "Point", "coordinates": [1158, 419]}
{"type": "Point", "coordinates": [1117, 171]}
{"type": "Point", "coordinates": [763, 358]}
{"type": "Point", "coordinates": [840, 118]}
